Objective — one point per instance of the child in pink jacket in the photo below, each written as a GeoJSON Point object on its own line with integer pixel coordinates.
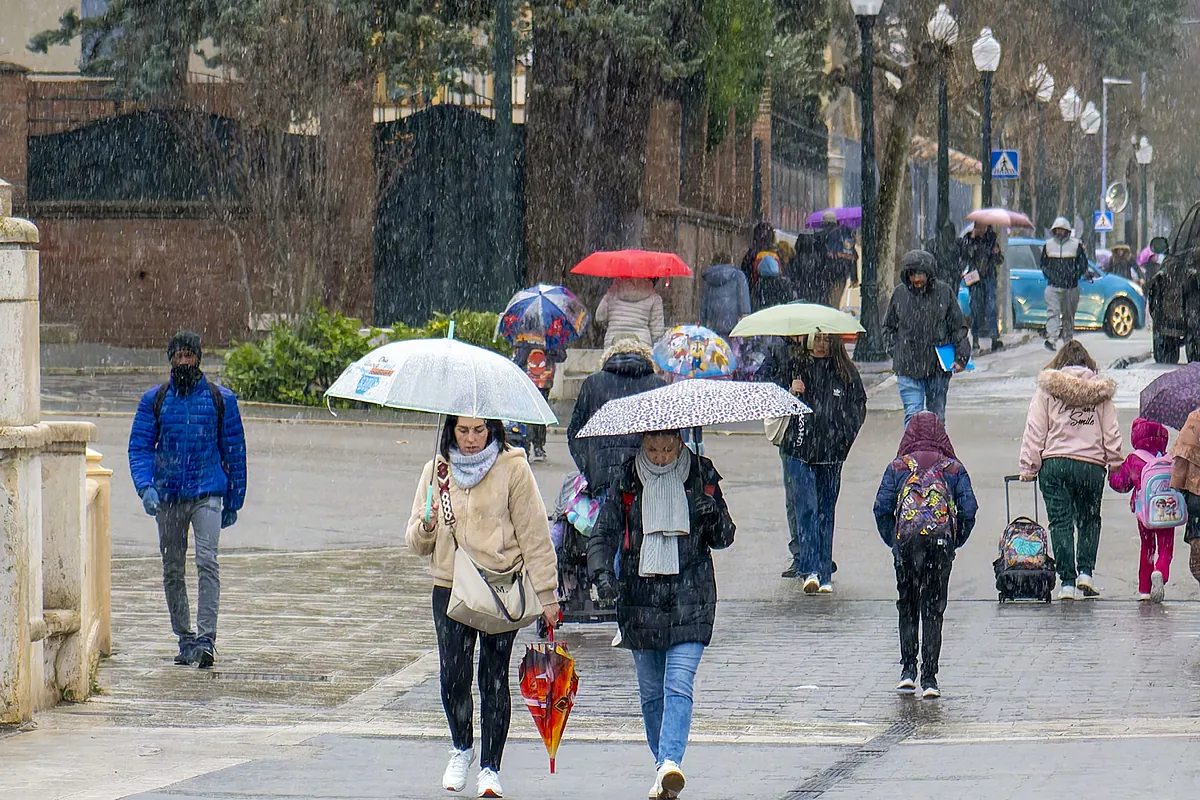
{"type": "Point", "coordinates": [1153, 572]}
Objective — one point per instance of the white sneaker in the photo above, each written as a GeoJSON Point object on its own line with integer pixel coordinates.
{"type": "Point", "coordinates": [655, 790]}
{"type": "Point", "coordinates": [1066, 591]}
{"type": "Point", "coordinates": [489, 784]}
{"type": "Point", "coordinates": [1157, 590]}
{"type": "Point", "coordinates": [1143, 597]}
{"type": "Point", "coordinates": [826, 588]}
{"type": "Point", "coordinates": [670, 778]}
{"type": "Point", "coordinates": [616, 642]}
{"type": "Point", "coordinates": [454, 779]}
{"type": "Point", "coordinates": [811, 584]}
{"type": "Point", "coordinates": [1085, 589]}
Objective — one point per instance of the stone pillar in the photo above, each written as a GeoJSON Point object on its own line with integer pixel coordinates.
{"type": "Point", "coordinates": [21, 437]}
{"type": "Point", "coordinates": [99, 568]}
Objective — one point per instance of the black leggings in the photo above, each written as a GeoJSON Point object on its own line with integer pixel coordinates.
{"type": "Point", "coordinates": [922, 577]}
{"type": "Point", "coordinates": [456, 652]}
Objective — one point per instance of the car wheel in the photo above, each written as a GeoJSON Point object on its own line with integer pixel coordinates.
{"type": "Point", "coordinates": [1121, 319]}
{"type": "Point", "coordinates": [1166, 349]}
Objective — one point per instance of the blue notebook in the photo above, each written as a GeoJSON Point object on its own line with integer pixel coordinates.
{"type": "Point", "coordinates": [946, 356]}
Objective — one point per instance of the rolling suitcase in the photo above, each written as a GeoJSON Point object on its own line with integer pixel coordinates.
{"type": "Point", "coordinates": [1024, 568]}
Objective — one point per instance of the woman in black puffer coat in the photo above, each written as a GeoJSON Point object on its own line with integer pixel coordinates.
{"type": "Point", "coordinates": [662, 519]}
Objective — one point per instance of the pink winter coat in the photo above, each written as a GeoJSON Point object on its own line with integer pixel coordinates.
{"type": "Point", "coordinates": [1145, 435]}
{"type": "Point", "coordinates": [1071, 416]}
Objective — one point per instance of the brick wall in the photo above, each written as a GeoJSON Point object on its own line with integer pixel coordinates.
{"type": "Point", "coordinates": [135, 282]}
{"type": "Point", "coordinates": [13, 122]}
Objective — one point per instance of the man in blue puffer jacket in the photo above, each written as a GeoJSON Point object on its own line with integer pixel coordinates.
{"type": "Point", "coordinates": [187, 455]}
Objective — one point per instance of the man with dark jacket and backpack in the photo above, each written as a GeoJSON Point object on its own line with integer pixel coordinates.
{"type": "Point", "coordinates": [187, 456]}
{"type": "Point", "coordinates": [925, 510]}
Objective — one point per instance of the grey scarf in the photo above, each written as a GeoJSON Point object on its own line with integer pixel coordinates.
{"type": "Point", "coordinates": [665, 512]}
{"type": "Point", "coordinates": [468, 470]}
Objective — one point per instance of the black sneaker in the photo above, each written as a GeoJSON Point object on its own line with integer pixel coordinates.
{"type": "Point", "coordinates": [206, 655]}
{"type": "Point", "coordinates": [1049, 345]}
{"type": "Point", "coordinates": [790, 572]}
{"type": "Point", "coordinates": [997, 345]}
{"type": "Point", "coordinates": [539, 454]}
{"type": "Point", "coordinates": [187, 655]}
{"type": "Point", "coordinates": [930, 690]}
{"type": "Point", "coordinates": [908, 680]}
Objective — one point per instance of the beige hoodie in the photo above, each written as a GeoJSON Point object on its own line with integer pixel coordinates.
{"type": "Point", "coordinates": [1072, 416]}
{"type": "Point", "coordinates": [631, 308]}
{"type": "Point", "coordinates": [499, 521]}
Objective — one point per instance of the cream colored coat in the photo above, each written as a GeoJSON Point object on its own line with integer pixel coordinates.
{"type": "Point", "coordinates": [500, 521]}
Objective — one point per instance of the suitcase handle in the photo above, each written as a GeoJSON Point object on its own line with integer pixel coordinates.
{"type": "Point", "coordinates": [1007, 508]}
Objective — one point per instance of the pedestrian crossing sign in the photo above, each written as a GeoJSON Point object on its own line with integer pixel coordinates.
{"type": "Point", "coordinates": [1103, 221]}
{"type": "Point", "coordinates": [1006, 164]}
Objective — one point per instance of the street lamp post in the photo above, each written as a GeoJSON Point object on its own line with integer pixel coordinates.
{"type": "Point", "coordinates": [1090, 121]}
{"type": "Point", "coordinates": [1104, 143]}
{"type": "Point", "coordinates": [1144, 153]}
{"type": "Point", "coordinates": [1042, 83]}
{"type": "Point", "coordinates": [943, 29]}
{"type": "Point", "coordinates": [986, 53]}
{"type": "Point", "coordinates": [870, 345]}
{"type": "Point", "coordinates": [1070, 105]}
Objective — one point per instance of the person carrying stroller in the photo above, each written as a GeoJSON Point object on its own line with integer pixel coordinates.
{"type": "Point", "coordinates": [925, 510]}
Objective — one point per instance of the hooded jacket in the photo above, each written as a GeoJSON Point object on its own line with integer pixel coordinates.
{"type": "Point", "coordinates": [982, 254]}
{"type": "Point", "coordinates": [631, 307]}
{"type": "Point", "coordinates": [919, 321]}
{"type": "Point", "coordinates": [1064, 262]}
{"type": "Point", "coordinates": [725, 298]}
{"type": "Point", "coordinates": [1071, 416]}
{"type": "Point", "coordinates": [659, 612]}
{"type": "Point", "coordinates": [1145, 435]}
{"type": "Point", "coordinates": [926, 442]}
{"type": "Point", "coordinates": [839, 408]}
{"type": "Point", "coordinates": [500, 521]}
{"type": "Point", "coordinates": [627, 371]}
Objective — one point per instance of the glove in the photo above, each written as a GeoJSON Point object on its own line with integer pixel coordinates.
{"type": "Point", "coordinates": [150, 501]}
{"type": "Point", "coordinates": [228, 517]}
{"type": "Point", "coordinates": [606, 586]}
{"type": "Point", "coordinates": [706, 506]}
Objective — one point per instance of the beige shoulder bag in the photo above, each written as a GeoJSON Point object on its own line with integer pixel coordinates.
{"type": "Point", "coordinates": [483, 599]}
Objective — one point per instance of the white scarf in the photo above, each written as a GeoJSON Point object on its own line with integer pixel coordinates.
{"type": "Point", "coordinates": [665, 512]}
{"type": "Point", "coordinates": [469, 470]}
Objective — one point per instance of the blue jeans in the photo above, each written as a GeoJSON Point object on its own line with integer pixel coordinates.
{"type": "Point", "coordinates": [811, 492]}
{"type": "Point", "coordinates": [924, 394]}
{"type": "Point", "coordinates": [665, 680]}
{"type": "Point", "coordinates": [983, 309]}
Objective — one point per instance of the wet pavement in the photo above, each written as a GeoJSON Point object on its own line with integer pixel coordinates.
{"type": "Point", "coordinates": [326, 684]}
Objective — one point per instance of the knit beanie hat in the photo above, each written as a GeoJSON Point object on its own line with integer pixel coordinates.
{"type": "Point", "coordinates": [184, 340]}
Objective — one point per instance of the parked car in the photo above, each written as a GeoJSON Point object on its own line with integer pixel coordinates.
{"type": "Point", "coordinates": [1173, 291]}
{"type": "Point", "coordinates": [1109, 303]}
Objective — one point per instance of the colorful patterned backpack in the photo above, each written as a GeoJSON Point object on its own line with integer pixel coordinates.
{"type": "Point", "coordinates": [1156, 505]}
{"type": "Point", "coordinates": [925, 506]}
{"type": "Point", "coordinates": [1024, 545]}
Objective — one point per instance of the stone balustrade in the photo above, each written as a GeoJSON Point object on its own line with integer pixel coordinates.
{"type": "Point", "coordinates": [55, 545]}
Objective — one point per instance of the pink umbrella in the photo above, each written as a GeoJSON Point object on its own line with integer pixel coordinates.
{"type": "Point", "coordinates": [999, 217]}
{"type": "Point", "coordinates": [1145, 257]}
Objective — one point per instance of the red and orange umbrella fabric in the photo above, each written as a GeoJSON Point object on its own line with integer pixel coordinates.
{"type": "Point", "coordinates": [632, 264]}
{"type": "Point", "coordinates": [549, 684]}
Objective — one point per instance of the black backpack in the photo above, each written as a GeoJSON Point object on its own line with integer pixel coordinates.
{"type": "Point", "coordinates": [160, 397]}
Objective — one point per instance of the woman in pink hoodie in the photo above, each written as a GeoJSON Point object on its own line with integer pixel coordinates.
{"type": "Point", "coordinates": [1150, 437]}
{"type": "Point", "coordinates": [1072, 439]}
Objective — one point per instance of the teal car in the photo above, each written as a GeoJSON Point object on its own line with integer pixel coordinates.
{"type": "Point", "coordinates": [1109, 303]}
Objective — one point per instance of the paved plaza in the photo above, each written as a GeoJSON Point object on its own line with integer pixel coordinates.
{"type": "Point", "coordinates": [326, 685]}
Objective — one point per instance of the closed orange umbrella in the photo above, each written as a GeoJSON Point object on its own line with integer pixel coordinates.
{"type": "Point", "coordinates": [549, 684]}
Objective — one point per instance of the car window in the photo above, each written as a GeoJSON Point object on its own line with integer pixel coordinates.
{"type": "Point", "coordinates": [1024, 256]}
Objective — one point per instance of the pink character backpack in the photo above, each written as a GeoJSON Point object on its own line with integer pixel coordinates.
{"type": "Point", "coordinates": [1156, 504]}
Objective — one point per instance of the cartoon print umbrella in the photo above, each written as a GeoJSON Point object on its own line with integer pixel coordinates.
{"type": "Point", "coordinates": [543, 316]}
{"type": "Point", "coordinates": [694, 351]}
{"type": "Point", "coordinates": [632, 264]}
{"type": "Point", "coordinates": [549, 684]}
{"type": "Point", "coordinates": [693, 404]}
{"type": "Point", "coordinates": [1170, 398]}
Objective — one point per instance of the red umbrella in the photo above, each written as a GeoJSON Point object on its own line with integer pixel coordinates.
{"type": "Point", "coordinates": [632, 264]}
{"type": "Point", "coordinates": [549, 684]}
{"type": "Point", "coordinates": [1000, 217]}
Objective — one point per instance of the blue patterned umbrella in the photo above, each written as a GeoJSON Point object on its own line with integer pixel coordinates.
{"type": "Point", "coordinates": [694, 352]}
{"type": "Point", "coordinates": [543, 316]}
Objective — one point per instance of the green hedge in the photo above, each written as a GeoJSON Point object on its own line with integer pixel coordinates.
{"type": "Point", "coordinates": [296, 363]}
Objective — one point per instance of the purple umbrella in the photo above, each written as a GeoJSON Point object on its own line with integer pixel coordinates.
{"type": "Point", "coordinates": [1170, 398]}
{"type": "Point", "coordinates": [850, 216]}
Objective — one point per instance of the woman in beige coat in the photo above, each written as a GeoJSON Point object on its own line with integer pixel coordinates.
{"type": "Point", "coordinates": [496, 513]}
{"type": "Point", "coordinates": [1185, 476]}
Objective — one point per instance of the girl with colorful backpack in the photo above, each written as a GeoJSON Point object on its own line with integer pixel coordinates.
{"type": "Point", "coordinates": [1159, 508]}
{"type": "Point", "coordinates": [925, 510]}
